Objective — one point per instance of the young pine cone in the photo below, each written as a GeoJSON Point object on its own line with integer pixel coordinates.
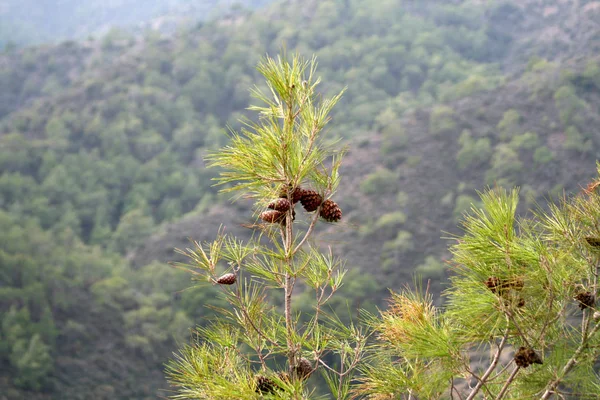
{"type": "Point", "coordinates": [524, 357]}
{"type": "Point", "coordinates": [330, 211]}
{"type": "Point", "coordinates": [311, 200]}
{"type": "Point", "coordinates": [227, 279]}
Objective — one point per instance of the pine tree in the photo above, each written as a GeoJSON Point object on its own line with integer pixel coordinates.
{"type": "Point", "coordinates": [519, 320]}
{"type": "Point", "coordinates": [256, 349]}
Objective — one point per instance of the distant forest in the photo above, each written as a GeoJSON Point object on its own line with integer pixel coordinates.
{"type": "Point", "coordinates": [102, 145]}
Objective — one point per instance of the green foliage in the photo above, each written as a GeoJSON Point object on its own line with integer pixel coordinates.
{"type": "Point", "coordinates": [473, 152]}
{"type": "Point", "coordinates": [133, 228]}
{"type": "Point", "coordinates": [441, 120]}
{"type": "Point", "coordinates": [569, 105]}
{"type": "Point", "coordinates": [505, 165]}
{"type": "Point", "coordinates": [517, 284]}
{"type": "Point", "coordinates": [574, 140]}
{"type": "Point", "coordinates": [430, 268]}
{"type": "Point", "coordinates": [509, 125]}
{"type": "Point", "coordinates": [463, 204]}
{"type": "Point", "coordinates": [382, 181]}
{"type": "Point", "coordinates": [527, 141]}
{"type": "Point", "coordinates": [253, 336]}
{"type": "Point", "coordinates": [542, 155]}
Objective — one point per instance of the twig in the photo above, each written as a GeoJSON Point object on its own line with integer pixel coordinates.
{"type": "Point", "coordinates": [490, 369]}
{"type": "Point", "coordinates": [308, 232]}
{"type": "Point", "coordinates": [570, 364]}
{"type": "Point", "coordinates": [510, 379]}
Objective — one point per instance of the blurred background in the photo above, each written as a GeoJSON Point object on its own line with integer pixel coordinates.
{"type": "Point", "coordinates": [107, 109]}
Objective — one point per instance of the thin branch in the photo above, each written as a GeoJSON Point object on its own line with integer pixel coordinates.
{"type": "Point", "coordinates": [490, 369]}
{"type": "Point", "coordinates": [454, 389]}
{"type": "Point", "coordinates": [309, 231]}
{"type": "Point", "coordinates": [510, 380]}
{"type": "Point", "coordinates": [570, 364]}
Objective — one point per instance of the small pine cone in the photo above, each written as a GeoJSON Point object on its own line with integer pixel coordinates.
{"type": "Point", "coordinates": [264, 385]}
{"type": "Point", "coordinates": [524, 357]}
{"type": "Point", "coordinates": [593, 241]}
{"type": "Point", "coordinates": [585, 299]}
{"type": "Point", "coordinates": [227, 279]}
{"type": "Point", "coordinates": [281, 204]}
{"type": "Point", "coordinates": [303, 369]}
{"type": "Point", "coordinates": [272, 216]}
{"type": "Point", "coordinates": [494, 283]}
{"type": "Point", "coordinates": [296, 195]}
{"type": "Point", "coordinates": [311, 200]}
{"type": "Point", "coordinates": [517, 284]}
{"type": "Point", "coordinates": [330, 211]}
{"type": "Point", "coordinates": [284, 376]}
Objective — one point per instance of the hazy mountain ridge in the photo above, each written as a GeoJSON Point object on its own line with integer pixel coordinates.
{"type": "Point", "coordinates": [34, 22]}
{"type": "Point", "coordinates": [101, 147]}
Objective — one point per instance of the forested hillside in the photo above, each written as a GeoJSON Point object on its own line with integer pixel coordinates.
{"type": "Point", "coordinates": [102, 172]}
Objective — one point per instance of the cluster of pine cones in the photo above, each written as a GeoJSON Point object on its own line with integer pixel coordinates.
{"type": "Point", "coordinates": [524, 357]}
{"type": "Point", "coordinates": [265, 385]}
{"type": "Point", "coordinates": [310, 200]}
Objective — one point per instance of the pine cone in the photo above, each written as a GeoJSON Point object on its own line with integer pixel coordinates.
{"type": "Point", "coordinates": [227, 279]}
{"type": "Point", "coordinates": [272, 216]}
{"type": "Point", "coordinates": [296, 195]}
{"type": "Point", "coordinates": [281, 204]}
{"type": "Point", "coordinates": [593, 241]}
{"type": "Point", "coordinates": [492, 283]}
{"type": "Point", "coordinates": [524, 357]}
{"type": "Point", "coordinates": [303, 369]}
{"type": "Point", "coordinates": [284, 376]}
{"type": "Point", "coordinates": [311, 200]}
{"type": "Point", "coordinates": [517, 284]}
{"type": "Point", "coordinates": [264, 385]}
{"type": "Point", "coordinates": [585, 299]}
{"type": "Point", "coordinates": [330, 211]}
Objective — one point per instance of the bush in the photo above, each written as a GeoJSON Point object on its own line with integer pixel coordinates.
{"type": "Point", "coordinates": [382, 181]}
{"type": "Point", "coordinates": [441, 120]}
{"type": "Point", "coordinates": [472, 152]}
{"type": "Point", "coordinates": [542, 155]}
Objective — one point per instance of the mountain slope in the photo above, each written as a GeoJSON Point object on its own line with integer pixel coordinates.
{"type": "Point", "coordinates": [102, 145]}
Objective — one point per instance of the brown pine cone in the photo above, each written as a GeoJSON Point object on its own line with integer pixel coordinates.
{"type": "Point", "coordinates": [264, 385]}
{"type": "Point", "coordinates": [492, 283]}
{"type": "Point", "coordinates": [585, 299]}
{"type": "Point", "coordinates": [272, 216]}
{"type": "Point", "coordinates": [497, 285]}
{"type": "Point", "coordinates": [296, 195]}
{"type": "Point", "coordinates": [303, 369]}
{"type": "Point", "coordinates": [311, 200]}
{"type": "Point", "coordinates": [330, 211]}
{"type": "Point", "coordinates": [227, 279]}
{"type": "Point", "coordinates": [524, 357]}
{"type": "Point", "coordinates": [281, 204]}
{"type": "Point", "coordinates": [593, 241]}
